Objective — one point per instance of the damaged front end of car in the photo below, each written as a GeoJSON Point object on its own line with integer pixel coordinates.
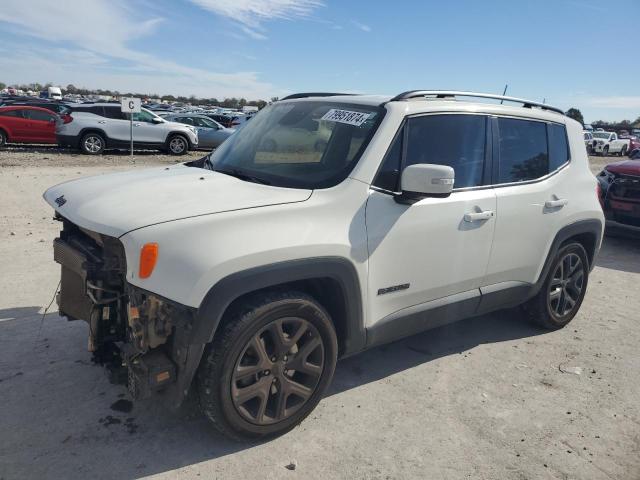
{"type": "Point", "coordinates": [141, 338]}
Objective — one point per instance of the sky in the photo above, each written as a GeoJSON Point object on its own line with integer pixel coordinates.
{"type": "Point", "coordinates": [569, 53]}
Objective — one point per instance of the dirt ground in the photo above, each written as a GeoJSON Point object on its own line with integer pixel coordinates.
{"type": "Point", "coordinates": [486, 398]}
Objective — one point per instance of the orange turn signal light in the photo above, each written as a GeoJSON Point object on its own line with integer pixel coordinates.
{"type": "Point", "coordinates": [148, 259]}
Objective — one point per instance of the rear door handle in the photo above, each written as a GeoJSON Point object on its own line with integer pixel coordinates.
{"type": "Point", "coordinates": [557, 203]}
{"type": "Point", "coordinates": [479, 216]}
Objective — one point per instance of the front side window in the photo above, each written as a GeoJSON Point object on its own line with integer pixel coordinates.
{"type": "Point", "coordinates": [388, 176]}
{"type": "Point", "coordinates": [523, 153]}
{"type": "Point", "coordinates": [143, 116]}
{"type": "Point", "coordinates": [309, 144]}
{"type": "Point", "coordinates": [454, 140]}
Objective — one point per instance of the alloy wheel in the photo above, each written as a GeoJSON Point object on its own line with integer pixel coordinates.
{"type": "Point", "coordinates": [566, 285]}
{"type": "Point", "coordinates": [93, 144]}
{"type": "Point", "coordinates": [277, 371]}
{"type": "Point", "coordinates": [177, 145]}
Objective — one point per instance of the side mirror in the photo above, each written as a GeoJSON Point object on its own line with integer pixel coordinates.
{"type": "Point", "coordinates": [157, 120]}
{"type": "Point", "coordinates": [426, 180]}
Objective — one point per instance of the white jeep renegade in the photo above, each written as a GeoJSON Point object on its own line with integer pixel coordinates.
{"type": "Point", "coordinates": [329, 224]}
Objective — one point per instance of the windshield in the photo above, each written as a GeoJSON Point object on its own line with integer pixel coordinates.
{"type": "Point", "coordinates": [299, 144]}
{"type": "Point", "coordinates": [601, 135]}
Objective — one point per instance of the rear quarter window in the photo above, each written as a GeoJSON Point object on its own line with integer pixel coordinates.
{"type": "Point", "coordinates": [523, 150]}
{"type": "Point", "coordinates": [558, 146]}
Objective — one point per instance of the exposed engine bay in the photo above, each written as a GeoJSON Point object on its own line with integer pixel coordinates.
{"type": "Point", "coordinates": [139, 337]}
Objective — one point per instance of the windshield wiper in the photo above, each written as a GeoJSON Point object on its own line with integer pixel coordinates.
{"type": "Point", "coordinates": [234, 172]}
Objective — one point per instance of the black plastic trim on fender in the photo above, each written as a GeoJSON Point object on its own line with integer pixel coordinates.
{"type": "Point", "coordinates": [223, 293]}
{"type": "Point", "coordinates": [590, 227]}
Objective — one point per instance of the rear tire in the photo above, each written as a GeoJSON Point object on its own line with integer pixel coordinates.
{"type": "Point", "coordinates": [605, 151]}
{"type": "Point", "coordinates": [3, 138]}
{"type": "Point", "coordinates": [177, 145]}
{"type": "Point", "coordinates": [623, 152]}
{"type": "Point", "coordinates": [264, 373]}
{"type": "Point", "coordinates": [561, 295]}
{"type": "Point", "coordinates": [92, 144]}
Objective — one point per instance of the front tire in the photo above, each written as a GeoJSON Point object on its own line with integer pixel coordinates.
{"type": "Point", "coordinates": [561, 295]}
{"type": "Point", "coordinates": [92, 144]}
{"type": "Point", "coordinates": [3, 138]}
{"type": "Point", "coordinates": [177, 145]}
{"type": "Point", "coordinates": [623, 152]}
{"type": "Point", "coordinates": [605, 151]}
{"type": "Point", "coordinates": [269, 366]}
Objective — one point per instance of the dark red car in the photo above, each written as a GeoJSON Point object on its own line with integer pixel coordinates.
{"type": "Point", "coordinates": [634, 143]}
{"type": "Point", "coordinates": [620, 195]}
{"type": "Point", "coordinates": [23, 124]}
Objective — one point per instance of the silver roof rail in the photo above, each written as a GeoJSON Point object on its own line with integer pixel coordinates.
{"type": "Point", "coordinates": [314, 94]}
{"type": "Point", "coordinates": [454, 93]}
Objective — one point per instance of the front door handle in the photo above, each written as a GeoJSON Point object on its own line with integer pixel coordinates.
{"type": "Point", "coordinates": [136, 124]}
{"type": "Point", "coordinates": [102, 121]}
{"type": "Point", "coordinates": [479, 216]}
{"type": "Point", "coordinates": [557, 203]}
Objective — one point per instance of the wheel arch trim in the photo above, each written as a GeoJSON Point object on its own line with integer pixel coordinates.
{"type": "Point", "coordinates": [591, 227]}
{"type": "Point", "coordinates": [224, 292]}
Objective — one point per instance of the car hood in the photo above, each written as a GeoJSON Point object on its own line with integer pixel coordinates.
{"type": "Point", "coordinates": [626, 167]}
{"type": "Point", "coordinates": [117, 203]}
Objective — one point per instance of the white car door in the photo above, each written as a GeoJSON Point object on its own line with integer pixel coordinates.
{"type": "Point", "coordinates": [146, 131]}
{"type": "Point", "coordinates": [116, 123]}
{"type": "Point", "coordinates": [532, 190]}
{"type": "Point", "coordinates": [427, 251]}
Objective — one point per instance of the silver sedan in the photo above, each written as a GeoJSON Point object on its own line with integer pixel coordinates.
{"type": "Point", "coordinates": [210, 133]}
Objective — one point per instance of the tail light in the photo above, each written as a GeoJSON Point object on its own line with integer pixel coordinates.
{"type": "Point", "coordinates": [66, 118]}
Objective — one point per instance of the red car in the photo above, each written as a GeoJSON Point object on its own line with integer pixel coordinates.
{"type": "Point", "coordinates": [23, 124]}
{"type": "Point", "coordinates": [620, 195]}
{"type": "Point", "coordinates": [634, 143]}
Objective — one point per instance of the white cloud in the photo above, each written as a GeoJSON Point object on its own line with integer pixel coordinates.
{"type": "Point", "coordinates": [361, 26]}
{"type": "Point", "coordinates": [617, 102]}
{"type": "Point", "coordinates": [95, 32]}
{"type": "Point", "coordinates": [251, 13]}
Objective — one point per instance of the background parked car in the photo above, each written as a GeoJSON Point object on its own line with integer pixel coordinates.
{"type": "Point", "coordinates": [210, 133]}
{"type": "Point", "coordinates": [620, 194]}
{"type": "Point", "coordinates": [607, 143]}
{"type": "Point", "coordinates": [634, 142]}
{"type": "Point", "coordinates": [588, 141]}
{"type": "Point", "coordinates": [94, 127]}
{"type": "Point", "coordinates": [57, 107]}
{"type": "Point", "coordinates": [23, 124]}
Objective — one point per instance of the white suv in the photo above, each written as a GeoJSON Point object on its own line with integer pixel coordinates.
{"type": "Point", "coordinates": [95, 127]}
{"type": "Point", "coordinates": [255, 268]}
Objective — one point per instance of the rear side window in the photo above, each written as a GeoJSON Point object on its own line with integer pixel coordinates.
{"type": "Point", "coordinates": [38, 115]}
{"type": "Point", "coordinates": [114, 113]}
{"type": "Point", "coordinates": [558, 147]}
{"type": "Point", "coordinates": [455, 140]}
{"type": "Point", "coordinates": [12, 113]}
{"type": "Point", "coordinates": [523, 152]}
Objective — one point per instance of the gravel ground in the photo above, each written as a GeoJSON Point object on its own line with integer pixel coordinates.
{"type": "Point", "coordinates": [486, 398]}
